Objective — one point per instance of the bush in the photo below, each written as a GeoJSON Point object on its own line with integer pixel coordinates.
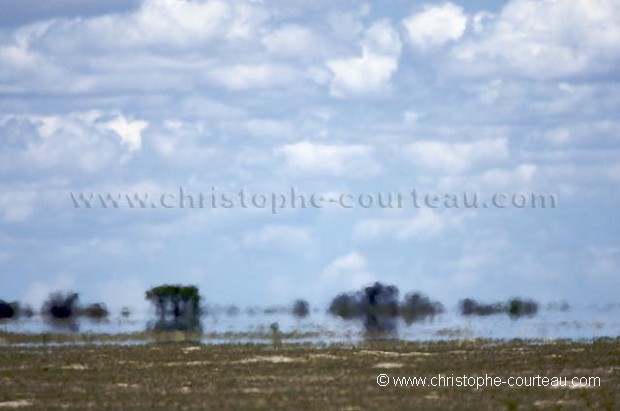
{"type": "Point", "coordinates": [515, 308]}
{"type": "Point", "coordinates": [376, 305]}
{"type": "Point", "coordinates": [417, 307]}
{"type": "Point", "coordinates": [301, 308]}
{"type": "Point", "coordinates": [345, 306]}
{"type": "Point", "coordinates": [97, 311]}
{"type": "Point", "coordinates": [60, 305]}
{"type": "Point", "coordinates": [469, 306]}
{"type": "Point", "coordinates": [7, 311]}
{"type": "Point", "coordinates": [519, 308]}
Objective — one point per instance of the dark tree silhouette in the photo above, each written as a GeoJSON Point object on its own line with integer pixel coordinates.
{"type": "Point", "coordinates": [345, 306]}
{"type": "Point", "coordinates": [60, 305]}
{"type": "Point", "coordinates": [7, 310]}
{"type": "Point", "coordinates": [417, 307]}
{"type": "Point", "coordinates": [178, 307]}
{"type": "Point", "coordinates": [301, 308]}
{"type": "Point", "coordinates": [375, 305]}
{"type": "Point", "coordinates": [469, 306]}
{"type": "Point", "coordinates": [125, 312]}
{"type": "Point", "coordinates": [97, 311]}
{"type": "Point", "coordinates": [518, 307]}
{"type": "Point", "coordinates": [380, 309]}
{"type": "Point", "coordinates": [515, 308]}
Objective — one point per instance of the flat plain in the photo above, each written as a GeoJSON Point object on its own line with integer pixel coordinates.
{"type": "Point", "coordinates": [295, 376]}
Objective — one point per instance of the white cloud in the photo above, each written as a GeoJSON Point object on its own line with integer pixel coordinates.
{"type": "Point", "coordinates": [16, 206]}
{"type": "Point", "coordinates": [169, 23]}
{"type": "Point", "coordinates": [347, 25]}
{"type": "Point", "coordinates": [37, 292]}
{"type": "Point", "coordinates": [252, 76]}
{"type": "Point", "coordinates": [426, 224]}
{"type": "Point", "coordinates": [547, 39]}
{"type": "Point", "coordinates": [63, 142]}
{"type": "Point", "coordinates": [436, 25]}
{"type": "Point", "coordinates": [129, 131]}
{"type": "Point", "coordinates": [520, 176]}
{"type": "Point", "coordinates": [455, 158]}
{"type": "Point", "coordinates": [348, 272]}
{"type": "Point", "coordinates": [166, 45]}
{"type": "Point", "coordinates": [329, 159]}
{"type": "Point", "coordinates": [372, 72]}
{"type": "Point", "coordinates": [280, 236]}
{"type": "Point", "coordinates": [294, 41]}
{"type": "Point", "coordinates": [270, 127]}
{"type": "Point", "coordinates": [117, 292]}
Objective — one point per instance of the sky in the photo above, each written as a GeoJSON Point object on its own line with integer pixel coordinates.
{"type": "Point", "coordinates": [326, 97]}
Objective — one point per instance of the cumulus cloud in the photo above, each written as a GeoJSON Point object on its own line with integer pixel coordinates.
{"type": "Point", "coordinates": [457, 157]}
{"type": "Point", "coordinates": [545, 39]}
{"type": "Point", "coordinates": [76, 141]}
{"type": "Point", "coordinates": [288, 237]}
{"type": "Point", "coordinates": [174, 23]}
{"type": "Point", "coordinates": [16, 206]}
{"type": "Point", "coordinates": [27, 11]}
{"type": "Point", "coordinates": [294, 41]}
{"type": "Point", "coordinates": [129, 131]}
{"type": "Point", "coordinates": [342, 160]}
{"type": "Point", "coordinates": [166, 45]}
{"type": "Point", "coordinates": [347, 272]}
{"type": "Point", "coordinates": [520, 176]}
{"type": "Point", "coordinates": [436, 25]}
{"type": "Point", "coordinates": [372, 72]}
{"type": "Point", "coordinates": [38, 291]}
{"type": "Point", "coordinates": [426, 224]}
{"type": "Point", "coordinates": [270, 127]}
{"type": "Point", "coordinates": [252, 76]}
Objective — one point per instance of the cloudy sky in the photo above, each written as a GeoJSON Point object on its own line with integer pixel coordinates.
{"type": "Point", "coordinates": [328, 97]}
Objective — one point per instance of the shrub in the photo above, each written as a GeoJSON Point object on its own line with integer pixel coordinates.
{"type": "Point", "coordinates": [301, 308]}
{"type": "Point", "coordinates": [417, 307]}
{"type": "Point", "coordinates": [7, 310]}
{"type": "Point", "coordinates": [519, 308]}
{"type": "Point", "coordinates": [60, 305]}
{"type": "Point", "coordinates": [469, 306]}
{"type": "Point", "coordinates": [97, 311]}
{"type": "Point", "coordinates": [376, 305]}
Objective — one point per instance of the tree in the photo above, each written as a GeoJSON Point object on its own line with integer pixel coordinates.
{"type": "Point", "coordinates": [345, 306]}
{"type": "Point", "coordinates": [518, 307]}
{"type": "Point", "coordinates": [515, 308]}
{"type": "Point", "coordinates": [96, 311]}
{"type": "Point", "coordinates": [60, 306]}
{"type": "Point", "coordinates": [469, 306]}
{"type": "Point", "coordinates": [417, 307]}
{"type": "Point", "coordinates": [301, 308]}
{"type": "Point", "coordinates": [177, 306]}
{"type": "Point", "coordinates": [375, 305]}
{"type": "Point", "coordinates": [7, 310]}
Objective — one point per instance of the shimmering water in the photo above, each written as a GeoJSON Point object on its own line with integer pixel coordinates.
{"type": "Point", "coordinates": [578, 323]}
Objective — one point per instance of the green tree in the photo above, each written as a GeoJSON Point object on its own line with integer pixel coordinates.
{"type": "Point", "coordinates": [177, 306]}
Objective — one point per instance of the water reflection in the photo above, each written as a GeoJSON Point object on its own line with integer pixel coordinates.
{"type": "Point", "coordinates": [379, 310]}
{"type": "Point", "coordinates": [177, 308]}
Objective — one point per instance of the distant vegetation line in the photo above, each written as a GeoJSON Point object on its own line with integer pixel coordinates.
{"type": "Point", "coordinates": [178, 307]}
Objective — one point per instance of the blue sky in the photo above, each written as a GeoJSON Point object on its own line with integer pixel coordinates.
{"type": "Point", "coordinates": [326, 96]}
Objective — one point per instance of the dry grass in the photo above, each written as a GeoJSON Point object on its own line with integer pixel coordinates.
{"type": "Point", "coordinates": [294, 376]}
